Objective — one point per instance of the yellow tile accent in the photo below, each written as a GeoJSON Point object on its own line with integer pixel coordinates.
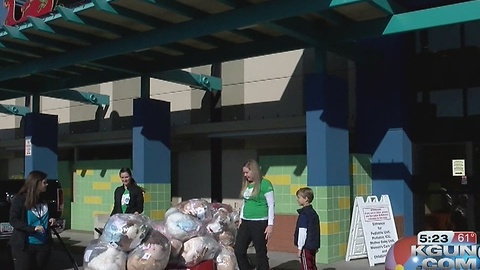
{"type": "Point", "coordinates": [115, 178]}
{"type": "Point", "coordinates": [335, 227]}
{"type": "Point", "coordinates": [101, 186]}
{"type": "Point", "coordinates": [92, 200]}
{"type": "Point", "coordinates": [343, 203]}
{"type": "Point", "coordinates": [324, 228]}
{"type": "Point", "coordinates": [362, 190]}
{"type": "Point", "coordinates": [354, 169]}
{"type": "Point", "coordinates": [294, 188]}
{"type": "Point", "coordinates": [96, 213]}
{"type": "Point", "coordinates": [280, 179]}
{"type": "Point", "coordinates": [157, 214]}
{"type": "Point", "coordinates": [147, 197]}
{"type": "Point", "coordinates": [342, 249]}
{"type": "Point", "coordinates": [328, 228]}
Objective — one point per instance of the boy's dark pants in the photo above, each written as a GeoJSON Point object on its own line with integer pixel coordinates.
{"type": "Point", "coordinates": [307, 260]}
{"type": "Point", "coordinates": [252, 231]}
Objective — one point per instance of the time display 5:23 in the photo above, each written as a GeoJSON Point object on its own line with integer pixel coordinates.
{"type": "Point", "coordinates": [434, 238]}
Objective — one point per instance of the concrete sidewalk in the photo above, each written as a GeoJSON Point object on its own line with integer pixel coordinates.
{"type": "Point", "coordinates": [76, 242]}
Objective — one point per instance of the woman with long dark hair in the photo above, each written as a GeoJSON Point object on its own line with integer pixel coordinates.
{"type": "Point", "coordinates": [31, 239]}
{"type": "Point", "coordinates": [128, 198]}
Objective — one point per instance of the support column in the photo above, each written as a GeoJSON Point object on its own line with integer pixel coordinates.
{"type": "Point", "coordinates": [41, 143]}
{"type": "Point", "coordinates": [383, 125]}
{"type": "Point", "coordinates": [328, 158]}
{"type": "Point", "coordinates": [216, 143]}
{"type": "Point", "coordinates": [151, 153]}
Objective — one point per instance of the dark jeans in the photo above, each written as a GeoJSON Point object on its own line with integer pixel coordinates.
{"type": "Point", "coordinates": [34, 257]}
{"type": "Point", "coordinates": [252, 231]}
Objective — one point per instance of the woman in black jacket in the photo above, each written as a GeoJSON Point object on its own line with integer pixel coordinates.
{"type": "Point", "coordinates": [31, 239]}
{"type": "Point", "coordinates": [128, 198]}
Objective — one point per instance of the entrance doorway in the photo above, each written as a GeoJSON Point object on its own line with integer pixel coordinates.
{"type": "Point", "coordinates": [443, 201]}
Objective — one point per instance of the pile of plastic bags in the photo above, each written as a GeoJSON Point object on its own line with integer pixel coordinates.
{"type": "Point", "coordinates": [192, 231]}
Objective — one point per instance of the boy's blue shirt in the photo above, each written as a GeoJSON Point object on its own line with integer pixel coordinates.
{"type": "Point", "coordinates": [308, 218]}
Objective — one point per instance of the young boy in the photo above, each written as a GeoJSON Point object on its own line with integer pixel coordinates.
{"type": "Point", "coordinates": [307, 231]}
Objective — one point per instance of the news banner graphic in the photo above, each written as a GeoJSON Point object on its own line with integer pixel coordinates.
{"type": "Point", "coordinates": [433, 250]}
{"type": "Point", "coordinates": [446, 250]}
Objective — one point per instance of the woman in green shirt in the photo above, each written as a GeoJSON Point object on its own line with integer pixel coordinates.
{"type": "Point", "coordinates": [128, 198]}
{"type": "Point", "coordinates": [256, 217]}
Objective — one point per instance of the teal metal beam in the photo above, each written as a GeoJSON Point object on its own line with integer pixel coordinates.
{"type": "Point", "coordinates": [14, 33]}
{"type": "Point", "coordinates": [14, 110]}
{"type": "Point", "coordinates": [384, 5]}
{"type": "Point", "coordinates": [340, 3]}
{"type": "Point", "coordinates": [78, 37]}
{"type": "Point", "coordinates": [103, 5]}
{"type": "Point", "coordinates": [40, 25]}
{"type": "Point", "coordinates": [69, 15]}
{"type": "Point", "coordinates": [406, 22]}
{"type": "Point", "coordinates": [234, 19]}
{"type": "Point", "coordinates": [433, 17]}
{"type": "Point", "coordinates": [83, 97]}
{"type": "Point", "coordinates": [199, 81]}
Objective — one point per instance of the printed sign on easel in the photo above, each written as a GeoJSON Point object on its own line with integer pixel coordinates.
{"type": "Point", "coordinates": [372, 230]}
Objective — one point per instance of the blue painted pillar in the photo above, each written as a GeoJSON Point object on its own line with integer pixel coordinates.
{"type": "Point", "coordinates": [151, 141]}
{"type": "Point", "coordinates": [383, 121]}
{"type": "Point", "coordinates": [41, 143]}
{"type": "Point", "coordinates": [327, 132]}
{"type": "Point", "coordinates": [326, 105]}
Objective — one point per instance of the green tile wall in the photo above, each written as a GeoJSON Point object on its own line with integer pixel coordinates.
{"type": "Point", "coordinates": [287, 173]}
{"type": "Point", "coordinates": [87, 201]}
{"type": "Point", "coordinates": [95, 182]}
{"type": "Point", "coordinates": [361, 175]}
{"type": "Point", "coordinates": [333, 207]}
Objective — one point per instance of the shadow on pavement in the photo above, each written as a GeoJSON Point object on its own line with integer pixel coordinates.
{"type": "Point", "coordinates": [290, 265]}
{"type": "Point", "coordinates": [60, 259]}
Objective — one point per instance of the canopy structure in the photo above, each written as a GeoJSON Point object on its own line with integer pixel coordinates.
{"type": "Point", "coordinates": [98, 41]}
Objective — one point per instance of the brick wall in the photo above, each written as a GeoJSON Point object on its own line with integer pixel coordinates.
{"type": "Point", "coordinates": [282, 239]}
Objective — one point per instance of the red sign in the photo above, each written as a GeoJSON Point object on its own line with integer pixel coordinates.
{"type": "Point", "coordinates": [18, 11]}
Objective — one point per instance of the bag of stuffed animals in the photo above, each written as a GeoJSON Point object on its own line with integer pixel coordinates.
{"type": "Point", "coordinates": [152, 254]}
{"type": "Point", "coordinates": [199, 249]}
{"type": "Point", "coordinates": [183, 226]}
{"type": "Point", "coordinates": [126, 230]}
{"type": "Point", "coordinates": [198, 208]}
{"type": "Point", "coordinates": [176, 245]}
{"type": "Point", "coordinates": [226, 259]}
{"type": "Point", "coordinates": [99, 255]}
{"type": "Point", "coordinates": [223, 225]}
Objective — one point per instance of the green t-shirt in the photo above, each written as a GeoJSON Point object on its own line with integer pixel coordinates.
{"type": "Point", "coordinates": [256, 208]}
{"type": "Point", "coordinates": [125, 200]}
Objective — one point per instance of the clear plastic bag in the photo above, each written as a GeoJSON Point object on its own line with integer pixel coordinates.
{"type": "Point", "coordinates": [126, 230]}
{"type": "Point", "coordinates": [152, 254]}
{"type": "Point", "coordinates": [199, 249]}
{"type": "Point", "coordinates": [226, 259]}
{"type": "Point", "coordinates": [99, 255]}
